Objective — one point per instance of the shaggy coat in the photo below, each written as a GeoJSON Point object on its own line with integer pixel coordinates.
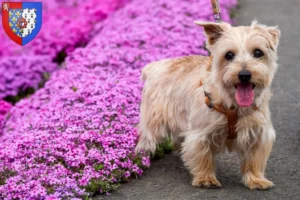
{"type": "Point", "coordinates": [173, 103]}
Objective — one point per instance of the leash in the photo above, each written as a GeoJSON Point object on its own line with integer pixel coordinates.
{"type": "Point", "coordinates": [217, 11]}
{"type": "Point", "coordinates": [231, 113]}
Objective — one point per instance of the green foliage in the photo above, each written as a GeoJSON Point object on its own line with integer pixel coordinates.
{"type": "Point", "coordinates": [60, 58]}
{"type": "Point", "coordinates": [74, 88]}
{"type": "Point", "coordinates": [21, 94]}
{"type": "Point", "coordinates": [164, 148]}
{"type": "Point", "coordinates": [233, 13]}
{"type": "Point", "coordinates": [234, 10]}
{"type": "Point", "coordinates": [45, 78]}
{"type": "Point", "coordinates": [138, 161]}
{"type": "Point", "coordinates": [106, 186]}
{"type": "Point", "coordinates": [5, 175]}
{"type": "Point", "coordinates": [50, 189]}
{"type": "Point", "coordinates": [98, 167]}
{"type": "Point", "coordinates": [24, 93]}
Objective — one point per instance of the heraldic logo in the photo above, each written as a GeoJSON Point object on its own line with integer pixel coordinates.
{"type": "Point", "coordinates": [22, 21]}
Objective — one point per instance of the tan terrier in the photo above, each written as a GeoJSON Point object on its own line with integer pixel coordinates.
{"type": "Point", "coordinates": [215, 102]}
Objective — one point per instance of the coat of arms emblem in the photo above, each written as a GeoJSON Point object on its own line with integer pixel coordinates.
{"type": "Point", "coordinates": [22, 21]}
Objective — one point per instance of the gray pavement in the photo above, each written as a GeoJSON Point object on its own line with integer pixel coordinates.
{"type": "Point", "coordinates": [168, 179]}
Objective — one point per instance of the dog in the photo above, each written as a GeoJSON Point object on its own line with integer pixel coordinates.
{"type": "Point", "coordinates": [189, 100]}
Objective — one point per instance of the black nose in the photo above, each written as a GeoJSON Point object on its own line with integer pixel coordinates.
{"type": "Point", "coordinates": [245, 75]}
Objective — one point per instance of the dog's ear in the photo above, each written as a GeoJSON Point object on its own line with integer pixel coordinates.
{"type": "Point", "coordinates": [273, 33]}
{"type": "Point", "coordinates": [275, 36]}
{"type": "Point", "coordinates": [213, 30]}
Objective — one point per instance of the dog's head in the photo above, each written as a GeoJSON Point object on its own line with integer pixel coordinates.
{"type": "Point", "coordinates": [244, 59]}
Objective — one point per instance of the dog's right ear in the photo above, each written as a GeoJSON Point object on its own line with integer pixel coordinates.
{"type": "Point", "coordinates": [213, 30]}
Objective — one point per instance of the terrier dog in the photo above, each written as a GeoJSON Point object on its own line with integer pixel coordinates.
{"type": "Point", "coordinates": [215, 103]}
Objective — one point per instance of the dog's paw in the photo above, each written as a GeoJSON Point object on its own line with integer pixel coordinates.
{"type": "Point", "coordinates": [254, 183]}
{"type": "Point", "coordinates": [206, 182]}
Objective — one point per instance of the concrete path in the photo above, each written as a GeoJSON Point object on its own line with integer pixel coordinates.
{"type": "Point", "coordinates": [168, 179]}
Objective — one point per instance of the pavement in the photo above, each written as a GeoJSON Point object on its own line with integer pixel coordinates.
{"type": "Point", "coordinates": [167, 178]}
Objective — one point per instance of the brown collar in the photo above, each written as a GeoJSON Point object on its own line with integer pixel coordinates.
{"type": "Point", "coordinates": [230, 113]}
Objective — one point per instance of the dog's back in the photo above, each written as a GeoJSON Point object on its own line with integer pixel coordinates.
{"type": "Point", "coordinates": [167, 81]}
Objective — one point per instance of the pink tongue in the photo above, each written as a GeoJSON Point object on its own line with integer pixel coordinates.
{"type": "Point", "coordinates": [244, 94]}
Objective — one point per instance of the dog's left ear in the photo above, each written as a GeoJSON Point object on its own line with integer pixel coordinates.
{"type": "Point", "coordinates": [213, 30]}
{"type": "Point", "coordinates": [273, 33]}
{"type": "Point", "coordinates": [275, 36]}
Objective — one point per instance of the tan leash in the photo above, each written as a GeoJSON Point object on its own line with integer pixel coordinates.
{"type": "Point", "coordinates": [217, 11]}
{"type": "Point", "coordinates": [231, 114]}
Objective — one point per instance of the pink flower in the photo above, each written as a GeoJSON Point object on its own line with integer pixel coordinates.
{"type": "Point", "coordinates": [78, 133]}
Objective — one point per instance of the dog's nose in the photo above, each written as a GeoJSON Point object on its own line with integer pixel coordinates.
{"type": "Point", "coordinates": [245, 75]}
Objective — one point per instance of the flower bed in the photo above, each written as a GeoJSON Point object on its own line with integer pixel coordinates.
{"type": "Point", "coordinates": [4, 108]}
{"type": "Point", "coordinates": [77, 135]}
{"type": "Point", "coordinates": [66, 26]}
{"type": "Point", "coordinates": [19, 73]}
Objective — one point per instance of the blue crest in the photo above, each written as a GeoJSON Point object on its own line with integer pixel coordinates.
{"type": "Point", "coordinates": [22, 21]}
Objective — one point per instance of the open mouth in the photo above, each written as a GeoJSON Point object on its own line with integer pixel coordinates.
{"type": "Point", "coordinates": [244, 94]}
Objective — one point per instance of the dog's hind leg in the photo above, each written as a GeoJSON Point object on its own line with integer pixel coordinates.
{"type": "Point", "coordinates": [149, 138]}
{"type": "Point", "coordinates": [152, 128]}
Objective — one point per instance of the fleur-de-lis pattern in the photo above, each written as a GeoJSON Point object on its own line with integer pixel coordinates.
{"type": "Point", "coordinates": [18, 13]}
{"type": "Point", "coordinates": [28, 14]}
{"type": "Point", "coordinates": [14, 16]}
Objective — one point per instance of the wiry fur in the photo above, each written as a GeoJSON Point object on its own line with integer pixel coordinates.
{"type": "Point", "coordinates": [173, 103]}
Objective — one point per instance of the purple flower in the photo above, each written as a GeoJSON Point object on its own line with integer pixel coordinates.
{"type": "Point", "coordinates": [66, 26]}
{"type": "Point", "coordinates": [4, 108]}
{"type": "Point", "coordinates": [77, 135]}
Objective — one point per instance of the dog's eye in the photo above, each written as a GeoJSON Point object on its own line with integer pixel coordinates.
{"type": "Point", "coordinates": [229, 56]}
{"type": "Point", "coordinates": [258, 53]}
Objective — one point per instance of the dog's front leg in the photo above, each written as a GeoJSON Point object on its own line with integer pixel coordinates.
{"type": "Point", "coordinates": [254, 164]}
{"type": "Point", "coordinates": [199, 157]}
